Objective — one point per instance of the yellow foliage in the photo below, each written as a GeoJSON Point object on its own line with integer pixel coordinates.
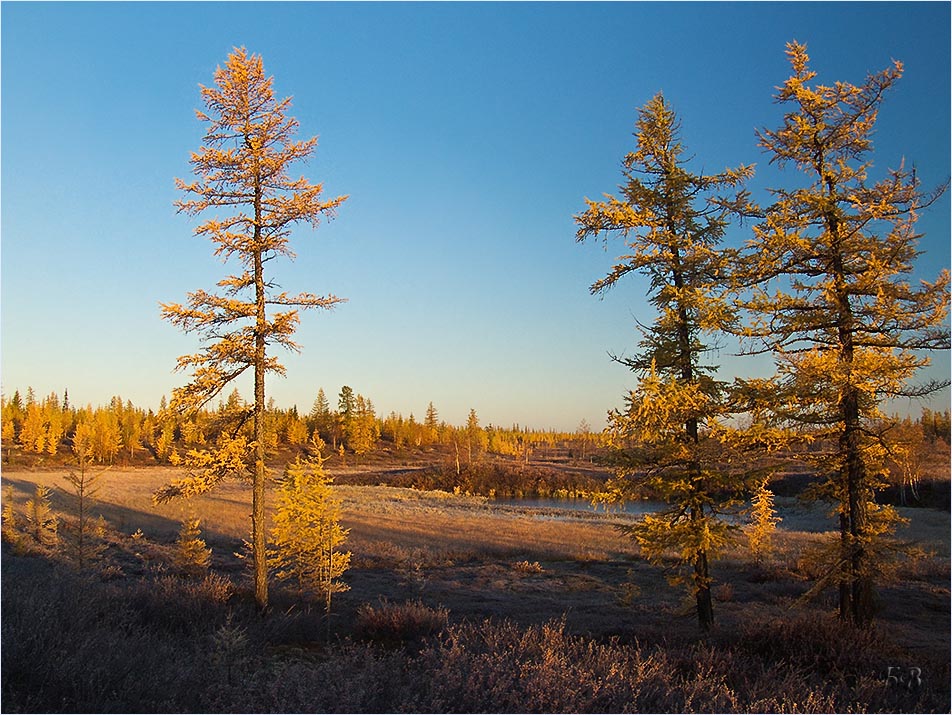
{"type": "Point", "coordinates": [191, 554]}
{"type": "Point", "coordinates": [834, 303]}
{"type": "Point", "coordinates": [763, 522]}
{"type": "Point", "coordinates": [11, 520]}
{"type": "Point", "coordinates": [307, 535]}
{"type": "Point", "coordinates": [42, 522]}
{"type": "Point", "coordinates": [205, 469]}
{"type": "Point", "coordinates": [673, 221]}
{"type": "Point", "coordinates": [242, 179]}
{"type": "Point", "coordinates": [683, 535]}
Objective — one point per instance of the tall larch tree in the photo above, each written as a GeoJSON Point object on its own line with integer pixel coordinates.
{"type": "Point", "coordinates": [476, 440]}
{"type": "Point", "coordinates": [362, 432]}
{"type": "Point", "coordinates": [243, 183]}
{"type": "Point", "coordinates": [431, 424]}
{"type": "Point", "coordinates": [666, 438]}
{"type": "Point", "coordinates": [835, 305]}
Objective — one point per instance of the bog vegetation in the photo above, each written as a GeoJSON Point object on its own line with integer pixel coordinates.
{"type": "Point", "coordinates": [400, 585]}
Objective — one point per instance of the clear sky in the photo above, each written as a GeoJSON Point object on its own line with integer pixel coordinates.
{"type": "Point", "coordinates": [467, 136]}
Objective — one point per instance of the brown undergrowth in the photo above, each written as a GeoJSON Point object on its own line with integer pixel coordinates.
{"type": "Point", "coordinates": [456, 605]}
{"type": "Point", "coordinates": [77, 644]}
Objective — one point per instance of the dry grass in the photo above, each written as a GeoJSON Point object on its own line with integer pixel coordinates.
{"type": "Point", "coordinates": [171, 645]}
{"type": "Point", "coordinates": [510, 609]}
{"type": "Point", "coordinates": [386, 523]}
{"type": "Point", "coordinates": [394, 624]}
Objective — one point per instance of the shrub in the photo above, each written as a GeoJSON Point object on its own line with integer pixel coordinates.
{"type": "Point", "coordinates": [805, 665]}
{"type": "Point", "coordinates": [192, 557]}
{"type": "Point", "coordinates": [179, 645]}
{"type": "Point", "coordinates": [355, 678]}
{"type": "Point", "coordinates": [393, 624]}
{"type": "Point", "coordinates": [307, 534]}
{"type": "Point", "coordinates": [39, 515]}
{"type": "Point", "coordinates": [11, 521]}
{"type": "Point", "coordinates": [177, 605]}
{"type": "Point", "coordinates": [71, 644]}
{"type": "Point", "coordinates": [497, 480]}
{"type": "Point", "coordinates": [501, 667]}
{"type": "Point", "coordinates": [724, 592]}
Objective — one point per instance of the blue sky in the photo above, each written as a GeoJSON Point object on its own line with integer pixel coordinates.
{"type": "Point", "coordinates": [467, 136]}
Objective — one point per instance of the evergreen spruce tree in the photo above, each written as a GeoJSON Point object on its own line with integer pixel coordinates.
{"type": "Point", "coordinates": [475, 437]}
{"type": "Point", "coordinates": [346, 409]}
{"type": "Point", "coordinates": [363, 431]}
{"type": "Point", "coordinates": [431, 424]}
{"type": "Point", "coordinates": [321, 419]}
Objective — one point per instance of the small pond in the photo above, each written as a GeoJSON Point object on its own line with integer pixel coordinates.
{"type": "Point", "coordinates": [632, 507]}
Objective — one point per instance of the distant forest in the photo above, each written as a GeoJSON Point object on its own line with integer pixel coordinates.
{"type": "Point", "coordinates": [122, 433]}
{"type": "Point", "coordinates": [40, 431]}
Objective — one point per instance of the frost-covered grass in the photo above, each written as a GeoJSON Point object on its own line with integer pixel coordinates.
{"type": "Point", "coordinates": [170, 644]}
{"type": "Point", "coordinates": [455, 605]}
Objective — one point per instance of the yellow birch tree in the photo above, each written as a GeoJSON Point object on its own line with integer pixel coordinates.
{"type": "Point", "coordinates": [242, 178]}
{"type": "Point", "coordinates": [834, 305]}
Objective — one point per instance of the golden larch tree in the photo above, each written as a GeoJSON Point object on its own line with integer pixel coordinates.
{"type": "Point", "coordinates": [42, 522]}
{"type": "Point", "coordinates": [834, 304]}
{"type": "Point", "coordinates": [192, 555]}
{"type": "Point", "coordinates": [80, 541]}
{"type": "Point", "coordinates": [669, 438]}
{"type": "Point", "coordinates": [307, 536]}
{"type": "Point", "coordinates": [243, 181]}
{"type": "Point", "coordinates": [363, 431]}
{"type": "Point", "coordinates": [763, 522]}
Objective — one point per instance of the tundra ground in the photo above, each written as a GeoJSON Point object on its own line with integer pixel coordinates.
{"type": "Point", "coordinates": [436, 564]}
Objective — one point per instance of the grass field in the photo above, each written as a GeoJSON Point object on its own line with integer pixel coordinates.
{"type": "Point", "coordinates": [549, 594]}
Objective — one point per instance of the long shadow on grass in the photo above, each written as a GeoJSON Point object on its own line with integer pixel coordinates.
{"type": "Point", "coordinates": [122, 518]}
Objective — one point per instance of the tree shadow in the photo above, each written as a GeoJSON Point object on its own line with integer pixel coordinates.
{"type": "Point", "coordinates": [159, 528]}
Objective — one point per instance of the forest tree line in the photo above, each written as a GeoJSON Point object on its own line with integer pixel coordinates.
{"type": "Point", "coordinates": [122, 433]}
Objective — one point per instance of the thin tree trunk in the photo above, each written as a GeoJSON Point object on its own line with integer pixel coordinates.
{"type": "Point", "coordinates": [702, 581]}
{"type": "Point", "coordinates": [257, 500]}
{"type": "Point", "coordinates": [327, 586]}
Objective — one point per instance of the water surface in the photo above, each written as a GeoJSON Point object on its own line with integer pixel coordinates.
{"type": "Point", "coordinates": [631, 507]}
